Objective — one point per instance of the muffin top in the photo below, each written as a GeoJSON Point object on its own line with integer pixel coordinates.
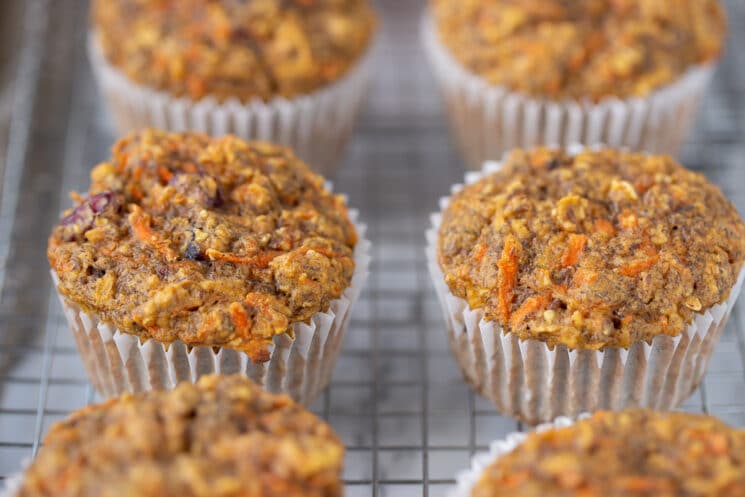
{"type": "Point", "coordinates": [211, 241]}
{"type": "Point", "coordinates": [233, 49]}
{"type": "Point", "coordinates": [634, 453]}
{"type": "Point", "coordinates": [581, 49]}
{"type": "Point", "coordinates": [604, 248]}
{"type": "Point", "coordinates": [221, 437]}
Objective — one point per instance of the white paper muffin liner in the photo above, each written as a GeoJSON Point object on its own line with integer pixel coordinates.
{"type": "Point", "coordinates": [467, 479]}
{"type": "Point", "coordinates": [317, 126]}
{"type": "Point", "coordinates": [528, 381]}
{"type": "Point", "coordinates": [488, 120]}
{"type": "Point", "coordinates": [12, 485]}
{"type": "Point", "coordinates": [118, 362]}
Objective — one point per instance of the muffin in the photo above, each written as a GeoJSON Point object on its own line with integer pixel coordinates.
{"type": "Point", "coordinates": [633, 453]}
{"type": "Point", "coordinates": [192, 254]}
{"type": "Point", "coordinates": [573, 281]}
{"type": "Point", "coordinates": [626, 73]}
{"type": "Point", "coordinates": [292, 72]}
{"type": "Point", "coordinates": [222, 436]}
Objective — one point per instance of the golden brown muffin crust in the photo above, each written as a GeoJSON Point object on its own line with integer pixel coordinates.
{"type": "Point", "coordinates": [604, 248]}
{"type": "Point", "coordinates": [211, 241]}
{"type": "Point", "coordinates": [579, 49]}
{"type": "Point", "coordinates": [223, 437]}
{"type": "Point", "coordinates": [634, 453]}
{"type": "Point", "coordinates": [233, 49]}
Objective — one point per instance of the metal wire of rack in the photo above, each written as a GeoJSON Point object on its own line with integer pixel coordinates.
{"type": "Point", "coordinates": [397, 398]}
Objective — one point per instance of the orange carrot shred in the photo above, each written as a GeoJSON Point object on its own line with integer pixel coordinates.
{"type": "Point", "coordinates": [479, 252]}
{"type": "Point", "coordinates": [261, 260]}
{"type": "Point", "coordinates": [584, 277]}
{"type": "Point", "coordinates": [507, 277]}
{"type": "Point", "coordinates": [573, 250]}
{"type": "Point", "coordinates": [240, 319]}
{"type": "Point", "coordinates": [140, 222]}
{"type": "Point", "coordinates": [164, 174]}
{"type": "Point", "coordinates": [638, 266]}
{"type": "Point", "coordinates": [529, 306]}
{"type": "Point", "coordinates": [605, 226]}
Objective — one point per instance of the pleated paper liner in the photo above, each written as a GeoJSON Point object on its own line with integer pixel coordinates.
{"type": "Point", "coordinates": [317, 126]}
{"type": "Point", "coordinates": [489, 120]}
{"type": "Point", "coordinates": [530, 382]}
{"type": "Point", "coordinates": [118, 362]}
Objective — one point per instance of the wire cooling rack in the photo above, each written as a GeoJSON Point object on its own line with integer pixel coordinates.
{"type": "Point", "coordinates": [397, 398]}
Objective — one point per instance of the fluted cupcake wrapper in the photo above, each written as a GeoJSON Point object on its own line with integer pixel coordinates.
{"type": "Point", "coordinates": [528, 381]}
{"type": "Point", "coordinates": [316, 126]}
{"type": "Point", "coordinates": [488, 120]}
{"type": "Point", "coordinates": [467, 479]}
{"type": "Point", "coordinates": [118, 362]}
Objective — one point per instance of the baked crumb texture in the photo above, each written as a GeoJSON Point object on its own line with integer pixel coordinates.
{"type": "Point", "coordinates": [220, 437]}
{"type": "Point", "coordinates": [211, 241]}
{"type": "Point", "coordinates": [604, 248]}
{"type": "Point", "coordinates": [581, 49]}
{"type": "Point", "coordinates": [634, 453]}
{"type": "Point", "coordinates": [233, 49]}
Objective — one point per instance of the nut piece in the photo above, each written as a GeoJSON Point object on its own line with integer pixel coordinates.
{"type": "Point", "coordinates": [570, 212]}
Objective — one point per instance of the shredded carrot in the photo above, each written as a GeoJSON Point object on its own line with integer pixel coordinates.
{"type": "Point", "coordinates": [479, 252]}
{"type": "Point", "coordinates": [644, 183]}
{"type": "Point", "coordinates": [190, 167]}
{"type": "Point", "coordinates": [122, 164]}
{"type": "Point", "coordinates": [573, 250]}
{"type": "Point", "coordinates": [164, 174]}
{"type": "Point", "coordinates": [584, 277]}
{"type": "Point", "coordinates": [605, 226]}
{"type": "Point", "coordinates": [140, 222]}
{"type": "Point", "coordinates": [530, 305]}
{"type": "Point", "coordinates": [515, 478]}
{"type": "Point", "coordinates": [261, 260]}
{"type": "Point", "coordinates": [240, 319]}
{"type": "Point", "coordinates": [77, 198]}
{"type": "Point", "coordinates": [136, 192]}
{"type": "Point", "coordinates": [507, 277]}
{"type": "Point", "coordinates": [638, 266]}
{"type": "Point", "coordinates": [639, 483]}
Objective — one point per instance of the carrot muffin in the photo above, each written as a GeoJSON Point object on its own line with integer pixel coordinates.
{"type": "Point", "coordinates": [594, 251]}
{"type": "Point", "coordinates": [212, 242]}
{"type": "Point", "coordinates": [633, 453]}
{"type": "Point", "coordinates": [293, 72]}
{"type": "Point", "coordinates": [226, 49]}
{"type": "Point", "coordinates": [544, 66]}
{"type": "Point", "coordinates": [581, 49]}
{"type": "Point", "coordinates": [222, 436]}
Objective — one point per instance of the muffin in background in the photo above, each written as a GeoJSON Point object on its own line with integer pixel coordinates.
{"type": "Point", "coordinates": [548, 72]}
{"type": "Point", "coordinates": [290, 72]}
{"type": "Point", "coordinates": [222, 436]}
{"type": "Point", "coordinates": [633, 453]}
{"type": "Point", "coordinates": [580, 280]}
{"type": "Point", "coordinates": [194, 254]}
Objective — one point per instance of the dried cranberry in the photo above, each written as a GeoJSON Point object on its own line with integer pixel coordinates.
{"type": "Point", "coordinates": [84, 214]}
